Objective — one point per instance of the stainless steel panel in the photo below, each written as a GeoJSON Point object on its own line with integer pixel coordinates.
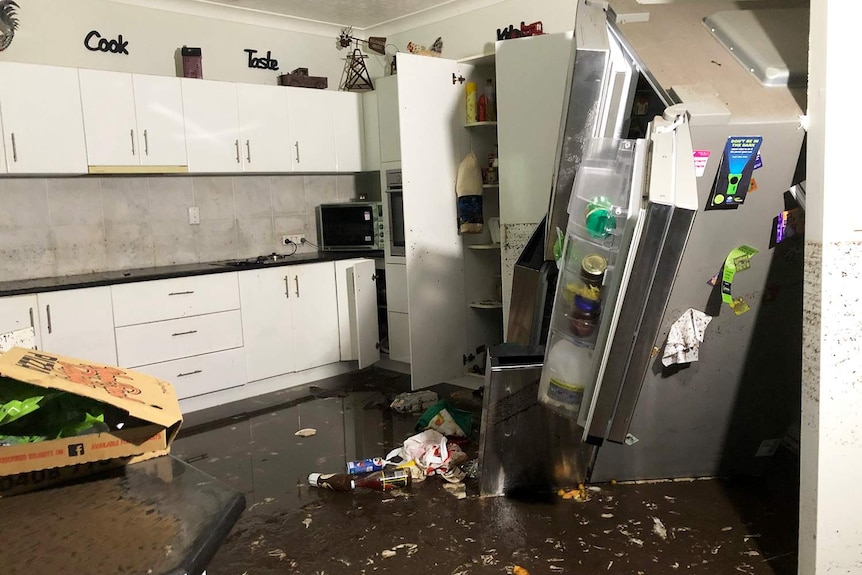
{"type": "Point", "coordinates": [523, 447]}
{"type": "Point", "coordinates": [581, 113]}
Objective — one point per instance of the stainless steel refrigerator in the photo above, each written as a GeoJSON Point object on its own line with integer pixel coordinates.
{"type": "Point", "coordinates": [676, 236]}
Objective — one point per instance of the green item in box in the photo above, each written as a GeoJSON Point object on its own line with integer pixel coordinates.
{"type": "Point", "coordinates": [446, 419]}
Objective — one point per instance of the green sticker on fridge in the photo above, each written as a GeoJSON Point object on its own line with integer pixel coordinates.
{"type": "Point", "coordinates": [733, 178]}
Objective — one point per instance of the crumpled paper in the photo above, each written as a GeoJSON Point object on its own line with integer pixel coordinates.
{"type": "Point", "coordinates": [684, 338]}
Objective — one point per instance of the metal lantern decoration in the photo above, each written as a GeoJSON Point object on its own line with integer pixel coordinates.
{"type": "Point", "coordinates": [355, 76]}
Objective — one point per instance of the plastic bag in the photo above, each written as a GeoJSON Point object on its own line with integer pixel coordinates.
{"type": "Point", "coordinates": [446, 419]}
{"type": "Point", "coordinates": [432, 454]}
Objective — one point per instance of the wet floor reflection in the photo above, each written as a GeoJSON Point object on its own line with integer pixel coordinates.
{"type": "Point", "coordinates": [289, 527]}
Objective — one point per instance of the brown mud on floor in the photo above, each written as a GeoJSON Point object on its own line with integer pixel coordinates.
{"type": "Point", "coordinates": [714, 526]}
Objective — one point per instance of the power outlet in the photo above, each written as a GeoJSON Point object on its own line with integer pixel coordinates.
{"type": "Point", "coordinates": [194, 215]}
{"type": "Point", "coordinates": [293, 238]}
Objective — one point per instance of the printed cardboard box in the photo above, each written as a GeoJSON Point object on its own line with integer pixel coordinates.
{"type": "Point", "coordinates": [142, 396]}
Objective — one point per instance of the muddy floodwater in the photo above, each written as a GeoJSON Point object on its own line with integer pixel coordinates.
{"type": "Point", "coordinates": [710, 526]}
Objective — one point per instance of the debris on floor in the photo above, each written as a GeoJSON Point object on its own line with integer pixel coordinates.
{"type": "Point", "coordinates": [414, 402]}
{"type": "Point", "coordinates": [306, 432]}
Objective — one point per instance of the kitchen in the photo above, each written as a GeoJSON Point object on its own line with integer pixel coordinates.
{"type": "Point", "coordinates": [80, 203]}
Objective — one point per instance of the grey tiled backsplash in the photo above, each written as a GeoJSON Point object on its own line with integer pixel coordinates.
{"type": "Point", "coordinates": [64, 226]}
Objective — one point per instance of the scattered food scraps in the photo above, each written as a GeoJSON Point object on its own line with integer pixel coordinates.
{"type": "Point", "coordinates": [307, 521]}
{"type": "Point", "coordinates": [306, 432]}
{"type": "Point", "coordinates": [459, 490]}
{"type": "Point", "coordinates": [387, 553]}
{"type": "Point", "coordinates": [658, 528]}
{"type": "Point", "coordinates": [518, 570]}
{"type": "Point", "coordinates": [278, 554]}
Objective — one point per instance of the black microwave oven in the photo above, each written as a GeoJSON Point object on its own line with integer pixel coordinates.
{"type": "Point", "coordinates": [350, 226]}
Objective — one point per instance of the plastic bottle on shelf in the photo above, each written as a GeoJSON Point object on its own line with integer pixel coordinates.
{"type": "Point", "coordinates": [472, 103]}
{"type": "Point", "coordinates": [490, 101]}
{"type": "Point", "coordinates": [383, 480]}
{"type": "Point", "coordinates": [564, 377]}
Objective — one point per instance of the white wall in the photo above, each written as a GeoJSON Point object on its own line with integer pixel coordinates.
{"type": "Point", "coordinates": [53, 32]}
{"type": "Point", "coordinates": [830, 527]}
{"type": "Point", "coordinates": [472, 31]}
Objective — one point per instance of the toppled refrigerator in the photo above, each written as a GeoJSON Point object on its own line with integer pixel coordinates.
{"type": "Point", "coordinates": [672, 331]}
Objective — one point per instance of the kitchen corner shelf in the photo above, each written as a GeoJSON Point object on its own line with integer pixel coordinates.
{"type": "Point", "coordinates": [487, 304]}
{"type": "Point", "coordinates": [476, 124]}
{"type": "Point", "coordinates": [484, 246]}
{"type": "Point", "coordinates": [490, 186]}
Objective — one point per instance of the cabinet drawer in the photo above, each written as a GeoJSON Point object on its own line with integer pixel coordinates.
{"type": "Point", "coordinates": [159, 300]}
{"type": "Point", "coordinates": [173, 339]}
{"type": "Point", "coordinates": [202, 373]}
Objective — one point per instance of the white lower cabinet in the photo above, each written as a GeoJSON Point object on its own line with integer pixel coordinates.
{"type": "Point", "coordinates": [358, 329]}
{"type": "Point", "coordinates": [17, 313]}
{"type": "Point", "coordinates": [399, 336]}
{"type": "Point", "coordinates": [177, 338]}
{"type": "Point", "coordinates": [78, 323]}
{"type": "Point", "coordinates": [185, 330]}
{"type": "Point", "coordinates": [289, 318]}
{"type": "Point", "coordinates": [200, 374]}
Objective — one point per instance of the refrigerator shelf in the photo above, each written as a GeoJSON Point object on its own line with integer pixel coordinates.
{"type": "Point", "coordinates": [487, 304]}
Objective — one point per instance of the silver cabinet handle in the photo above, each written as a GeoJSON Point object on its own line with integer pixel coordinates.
{"type": "Point", "coordinates": [132, 137]}
{"type": "Point", "coordinates": [146, 144]}
{"type": "Point", "coordinates": [195, 372]}
{"type": "Point", "coordinates": [248, 150]}
{"type": "Point", "coordinates": [184, 333]}
{"type": "Point", "coordinates": [181, 292]}
{"type": "Point", "coordinates": [236, 143]}
{"type": "Point", "coordinates": [286, 288]}
{"type": "Point", "coordinates": [297, 151]}
{"type": "Point", "coordinates": [296, 278]}
{"type": "Point", "coordinates": [15, 149]}
{"type": "Point", "coordinates": [48, 312]}
{"type": "Point", "coordinates": [32, 323]}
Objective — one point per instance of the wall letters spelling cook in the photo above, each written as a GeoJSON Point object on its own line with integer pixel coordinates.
{"type": "Point", "coordinates": [95, 43]}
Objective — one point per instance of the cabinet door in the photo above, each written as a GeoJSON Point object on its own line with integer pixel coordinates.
{"type": "Point", "coordinates": [387, 117]}
{"type": "Point", "coordinates": [42, 121]}
{"type": "Point", "coordinates": [108, 102]}
{"type": "Point", "coordinates": [159, 113]}
{"type": "Point", "coordinates": [212, 125]}
{"type": "Point", "coordinates": [79, 323]}
{"type": "Point", "coordinates": [312, 132]}
{"type": "Point", "coordinates": [358, 330]}
{"type": "Point", "coordinates": [349, 134]}
{"type": "Point", "coordinates": [433, 143]}
{"type": "Point", "coordinates": [265, 142]}
{"type": "Point", "coordinates": [371, 131]}
{"type": "Point", "coordinates": [19, 312]}
{"type": "Point", "coordinates": [267, 324]}
{"type": "Point", "coordinates": [315, 315]}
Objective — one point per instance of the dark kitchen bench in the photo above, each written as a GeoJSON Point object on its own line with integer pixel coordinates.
{"type": "Point", "coordinates": [157, 517]}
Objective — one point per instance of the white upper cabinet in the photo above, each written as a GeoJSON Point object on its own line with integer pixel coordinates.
{"type": "Point", "coordinates": [312, 129]}
{"type": "Point", "coordinates": [387, 112]}
{"type": "Point", "coordinates": [161, 128]}
{"type": "Point", "coordinates": [43, 128]}
{"type": "Point", "coordinates": [265, 144]}
{"type": "Point", "coordinates": [349, 134]}
{"type": "Point", "coordinates": [212, 125]}
{"type": "Point", "coordinates": [132, 120]}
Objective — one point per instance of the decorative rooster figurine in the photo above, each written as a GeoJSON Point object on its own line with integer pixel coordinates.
{"type": "Point", "coordinates": [8, 23]}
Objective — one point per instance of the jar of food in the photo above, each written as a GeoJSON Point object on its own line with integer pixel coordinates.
{"type": "Point", "coordinates": [593, 268]}
{"type": "Point", "coordinates": [585, 316]}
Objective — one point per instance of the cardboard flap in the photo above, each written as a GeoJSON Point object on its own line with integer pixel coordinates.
{"type": "Point", "coordinates": [143, 396]}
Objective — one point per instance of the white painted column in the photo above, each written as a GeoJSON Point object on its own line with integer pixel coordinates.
{"type": "Point", "coordinates": [830, 532]}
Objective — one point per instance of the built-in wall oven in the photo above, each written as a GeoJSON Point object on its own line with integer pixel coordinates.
{"type": "Point", "coordinates": [395, 209]}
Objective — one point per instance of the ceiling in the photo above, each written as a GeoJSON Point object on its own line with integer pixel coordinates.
{"type": "Point", "coordinates": [360, 14]}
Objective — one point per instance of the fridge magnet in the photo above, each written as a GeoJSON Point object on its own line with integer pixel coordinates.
{"type": "Point", "coordinates": [734, 172]}
{"type": "Point", "coordinates": [8, 23]}
{"type": "Point", "coordinates": [787, 224]}
{"type": "Point", "coordinates": [701, 157]}
{"type": "Point", "coordinates": [738, 260]}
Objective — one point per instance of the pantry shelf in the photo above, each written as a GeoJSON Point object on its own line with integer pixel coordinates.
{"type": "Point", "coordinates": [484, 246]}
{"type": "Point", "coordinates": [487, 304]}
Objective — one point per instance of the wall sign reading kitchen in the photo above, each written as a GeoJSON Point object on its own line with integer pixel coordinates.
{"type": "Point", "coordinates": [265, 63]}
{"type": "Point", "coordinates": [94, 42]}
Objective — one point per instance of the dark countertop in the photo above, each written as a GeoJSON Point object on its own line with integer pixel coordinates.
{"type": "Point", "coordinates": [21, 287]}
{"type": "Point", "coordinates": [161, 517]}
